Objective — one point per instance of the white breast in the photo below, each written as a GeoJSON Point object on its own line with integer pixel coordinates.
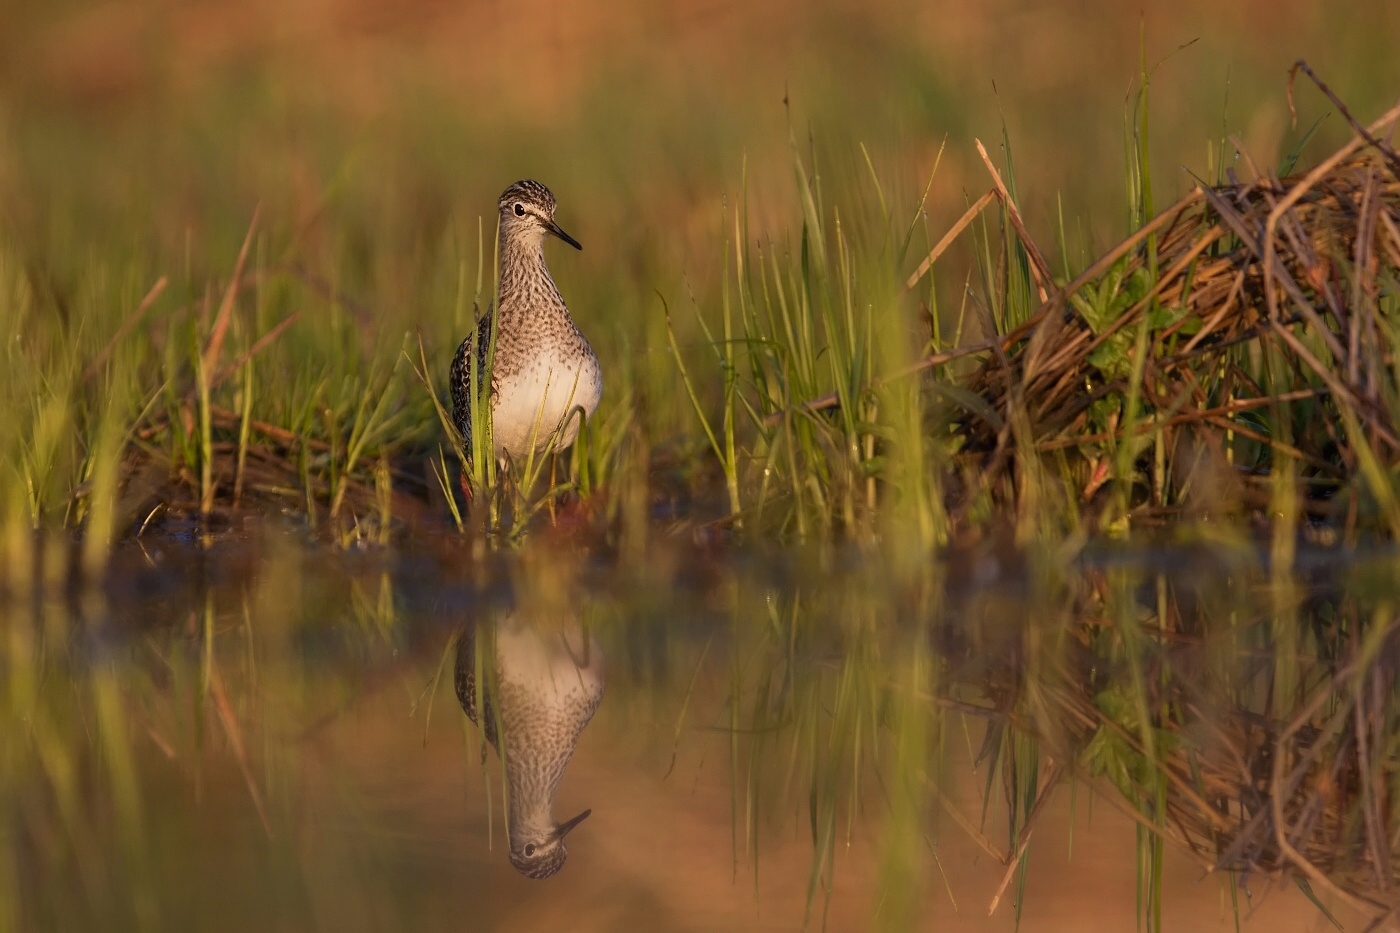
{"type": "Point", "coordinates": [532, 404]}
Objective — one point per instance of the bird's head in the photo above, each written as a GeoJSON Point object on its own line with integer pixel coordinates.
{"type": "Point", "coordinates": [541, 857]}
{"type": "Point", "coordinates": [527, 214]}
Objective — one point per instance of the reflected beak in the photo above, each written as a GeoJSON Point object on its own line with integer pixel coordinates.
{"type": "Point", "coordinates": [555, 229]}
{"type": "Point", "coordinates": [565, 828]}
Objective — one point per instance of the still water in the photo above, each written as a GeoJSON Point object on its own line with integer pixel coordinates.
{"type": "Point", "coordinates": [260, 732]}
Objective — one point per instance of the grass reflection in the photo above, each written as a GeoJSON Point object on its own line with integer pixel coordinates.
{"type": "Point", "coordinates": [1232, 714]}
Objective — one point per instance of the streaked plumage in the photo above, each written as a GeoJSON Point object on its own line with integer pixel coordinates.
{"type": "Point", "coordinates": [548, 681]}
{"type": "Point", "coordinates": [544, 370]}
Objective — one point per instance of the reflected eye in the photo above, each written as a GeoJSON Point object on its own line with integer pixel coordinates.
{"type": "Point", "coordinates": [529, 850]}
{"type": "Point", "coordinates": [520, 210]}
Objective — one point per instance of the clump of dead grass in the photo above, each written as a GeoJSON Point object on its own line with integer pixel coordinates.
{"type": "Point", "coordinates": [1256, 319]}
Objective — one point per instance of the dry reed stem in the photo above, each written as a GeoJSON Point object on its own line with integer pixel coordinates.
{"type": "Point", "coordinates": [126, 328]}
{"type": "Point", "coordinates": [953, 233]}
{"type": "Point", "coordinates": [1039, 268]}
{"type": "Point", "coordinates": [225, 315]}
{"type": "Point", "coordinates": [262, 343]}
{"type": "Point", "coordinates": [229, 720]}
{"type": "Point", "coordinates": [1044, 793]}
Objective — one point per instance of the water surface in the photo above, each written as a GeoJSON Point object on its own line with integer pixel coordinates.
{"type": "Point", "coordinates": [259, 731]}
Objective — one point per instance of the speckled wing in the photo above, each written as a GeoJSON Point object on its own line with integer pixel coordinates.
{"type": "Point", "coordinates": [460, 376]}
{"type": "Point", "coordinates": [464, 680]}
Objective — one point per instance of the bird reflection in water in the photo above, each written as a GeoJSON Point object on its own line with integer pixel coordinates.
{"type": "Point", "coordinates": [547, 682]}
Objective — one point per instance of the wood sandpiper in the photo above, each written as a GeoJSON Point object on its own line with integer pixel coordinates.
{"type": "Point", "coordinates": [547, 682]}
{"type": "Point", "coordinates": [544, 372]}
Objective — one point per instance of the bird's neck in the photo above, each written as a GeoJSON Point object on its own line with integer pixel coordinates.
{"type": "Point", "coordinates": [533, 782]}
{"type": "Point", "coordinates": [525, 283]}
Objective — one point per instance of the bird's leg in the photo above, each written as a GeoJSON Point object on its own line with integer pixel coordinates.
{"type": "Point", "coordinates": [505, 483]}
{"type": "Point", "coordinates": [553, 460]}
{"type": "Point", "coordinates": [465, 480]}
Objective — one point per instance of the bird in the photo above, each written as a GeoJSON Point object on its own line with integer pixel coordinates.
{"type": "Point", "coordinates": [547, 683]}
{"type": "Point", "coordinates": [544, 372]}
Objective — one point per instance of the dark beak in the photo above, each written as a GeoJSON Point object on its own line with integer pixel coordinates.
{"type": "Point", "coordinates": [565, 828]}
{"type": "Point", "coordinates": [555, 229]}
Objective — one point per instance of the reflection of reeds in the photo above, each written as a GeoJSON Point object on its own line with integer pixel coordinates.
{"type": "Point", "coordinates": [1299, 790]}
{"type": "Point", "coordinates": [1245, 715]}
{"type": "Point", "coordinates": [1257, 741]}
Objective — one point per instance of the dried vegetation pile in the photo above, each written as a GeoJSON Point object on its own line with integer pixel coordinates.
{"type": "Point", "coordinates": [1257, 318]}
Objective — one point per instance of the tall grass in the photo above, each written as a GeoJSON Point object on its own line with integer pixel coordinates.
{"type": "Point", "coordinates": [277, 365]}
{"type": "Point", "coordinates": [812, 317]}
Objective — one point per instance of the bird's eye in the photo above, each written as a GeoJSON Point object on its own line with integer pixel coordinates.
{"type": "Point", "coordinates": [529, 850]}
{"type": "Point", "coordinates": [520, 210]}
